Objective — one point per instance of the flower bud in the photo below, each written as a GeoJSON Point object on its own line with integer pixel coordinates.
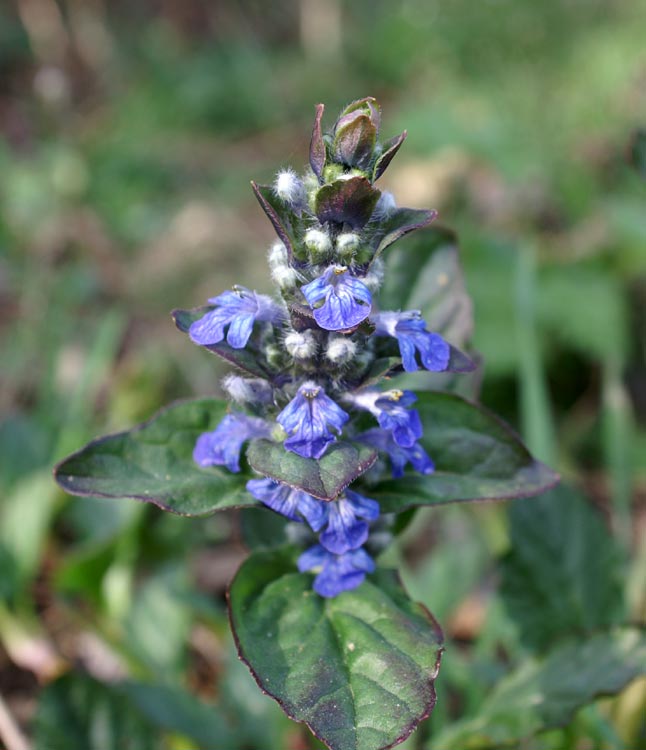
{"type": "Point", "coordinates": [319, 245]}
{"type": "Point", "coordinates": [355, 133]}
{"type": "Point", "coordinates": [247, 390]}
{"type": "Point", "coordinates": [289, 188]}
{"type": "Point", "coordinates": [301, 345]}
{"type": "Point", "coordinates": [283, 275]}
{"type": "Point", "coordinates": [340, 350]}
{"type": "Point", "coordinates": [346, 244]}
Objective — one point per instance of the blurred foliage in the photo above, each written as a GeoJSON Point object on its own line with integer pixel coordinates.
{"type": "Point", "coordinates": [129, 132]}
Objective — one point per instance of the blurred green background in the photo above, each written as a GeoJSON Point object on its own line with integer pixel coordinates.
{"type": "Point", "coordinates": [129, 132]}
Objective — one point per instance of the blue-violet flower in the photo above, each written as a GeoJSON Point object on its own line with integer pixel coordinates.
{"type": "Point", "coordinates": [344, 531]}
{"type": "Point", "coordinates": [410, 331]}
{"type": "Point", "coordinates": [389, 409]}
{"type": "Point", "coordinates": [337, 572]}
{"type": "Point", "coordinates": [222, 446]}
{"type": "Point", "coordinates": [305, 419]}
{"type": "Point", "coordinates": [289, 502]}
{"type": "Point", "coordinates": [346, 301]}
{"type": "Point", "coordinates": [237, 309]}
{"type": "Point", "coordinates": [399, 456]}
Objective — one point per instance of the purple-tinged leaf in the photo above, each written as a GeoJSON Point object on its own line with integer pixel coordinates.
{"type": "Point", "coordinates": [459, 361]}
{"type": "Point", "coordinates": [358, 668]}
{"type": "Point", "coordinates": [324, 478]}
{"type": "Point", "coordinates": [390, 149]}
{"type": "Point", "coordinates": [243, 359]}
{"type": "Point", "coordinates": [354, 141]}
{"type": "Point", "coordinates": [317, 145]}
{"type": "Point", "coordinates": [153, 462]}
{"type": "Point", "coordinates": [400, 222]}
{"type": "Point", "coordinates": [349, 201]}
{"type": "Point", "coordinates": [285, 222]}
{"type": "Point", "coordinates": [369, 106]}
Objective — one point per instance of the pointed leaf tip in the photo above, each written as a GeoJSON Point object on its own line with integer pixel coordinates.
{"type": "Point", "coordinates": [317, 144]}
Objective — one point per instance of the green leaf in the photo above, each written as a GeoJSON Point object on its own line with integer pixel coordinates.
{"type": "Point", "coordinates": [324, 478]}
{"type": "Point", "coordinates": [563, 575]}
{"type": "Point", "coordinates": [400, 222]}
{"type": "Point", "coordinates": [358, 669]}
{"type": "Point", "coordinates": [154, 463]}
{"type": "Point", "coordinates": [476, 455]}
{"type": "Point", "coordinates": [544, 694]}
{"type": "Point", "coordinates": [261, 527]}
{"type": "Point", "coordinates": [78, 713]}
{"type": "Point", "coordinates": [176, 710]}
{"type": "Point", "coordinates": [243, 359]}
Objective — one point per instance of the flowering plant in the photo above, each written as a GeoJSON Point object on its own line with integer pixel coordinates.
{"type": "Point", "coordinates": [329, 446]}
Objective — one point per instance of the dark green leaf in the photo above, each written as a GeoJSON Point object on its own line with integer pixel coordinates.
{"type": "Point", "coordinates": [262, 527]}
{"type": "Point", "coordinates": [400, 222]}
{"type": "Point", "coordinates": [175, 710]}
{"type": "Point", "coordinates": [346, 202]}
{"type": "Point", "coordinates": [154, 463]}
{"type": "Point", "coordinates": [390, 149]}
{"type": "Point", "coordinates": [78, 713]}
{"type": "Point", "coordinates": [324, 478]}
{"type": "Point", "coordinates": [358, 669]}
{"type": "Point", "coordinates": [476, 455]}
{"type": "Point", "coordinates": [544, 694]}
{"type": "Point", "coordinates": [243, 359]}
{"type": "Point", "coordinates": [380, 369]}
{"type": "Point", "coordinates": [563, 575]}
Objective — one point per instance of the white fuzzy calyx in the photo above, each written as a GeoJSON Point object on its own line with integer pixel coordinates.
{"type": "Point", "coordinates": [301, 345]}
{"type": "Point", "coordinates": [289, 187]}
{"type": "Point", "coordinates": [340, 350]}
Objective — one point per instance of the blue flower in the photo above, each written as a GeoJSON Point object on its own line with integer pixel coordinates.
{"type": "Point", "coordinates": [399, 456]}
{"type": "Point", "coordinates": [222, 446]}
{"type": "Point", "coordinates": [238, 310]}
{"type": "Point", "coordinates": [389, 408]}
{"type": "Point", "coordinates": [306, 418]}
{"type": "Point", "coordinates": [410, 331]}
{"type": "Point", "coordinates": [338, 299]}
{"type": "Point", "coordinates": [344, 531]}
{"type": "Point", "coordinates": [337, 572]}
{"type": "Point", "coordinates": [289, 502]}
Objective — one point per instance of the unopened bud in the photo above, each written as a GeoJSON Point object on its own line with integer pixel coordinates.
{"type": "Point", "coordinates": [289, 188]}
{"type": "Point", "coordinates": [319, 245]}
{"type": "Point", "coordinates": [301, 345]}
{"type": "Point", "coordinates": [247, 390]}
{"type": "Point", "coordinates": [277, 255]}
{"type": "Point", "coordinates": [340, 350]}
{"type": "Point", "coordinates": [346, 244]}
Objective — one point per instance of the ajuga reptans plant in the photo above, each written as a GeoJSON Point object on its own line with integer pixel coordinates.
{"type": "Point", "coordinates": [318, 430]}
